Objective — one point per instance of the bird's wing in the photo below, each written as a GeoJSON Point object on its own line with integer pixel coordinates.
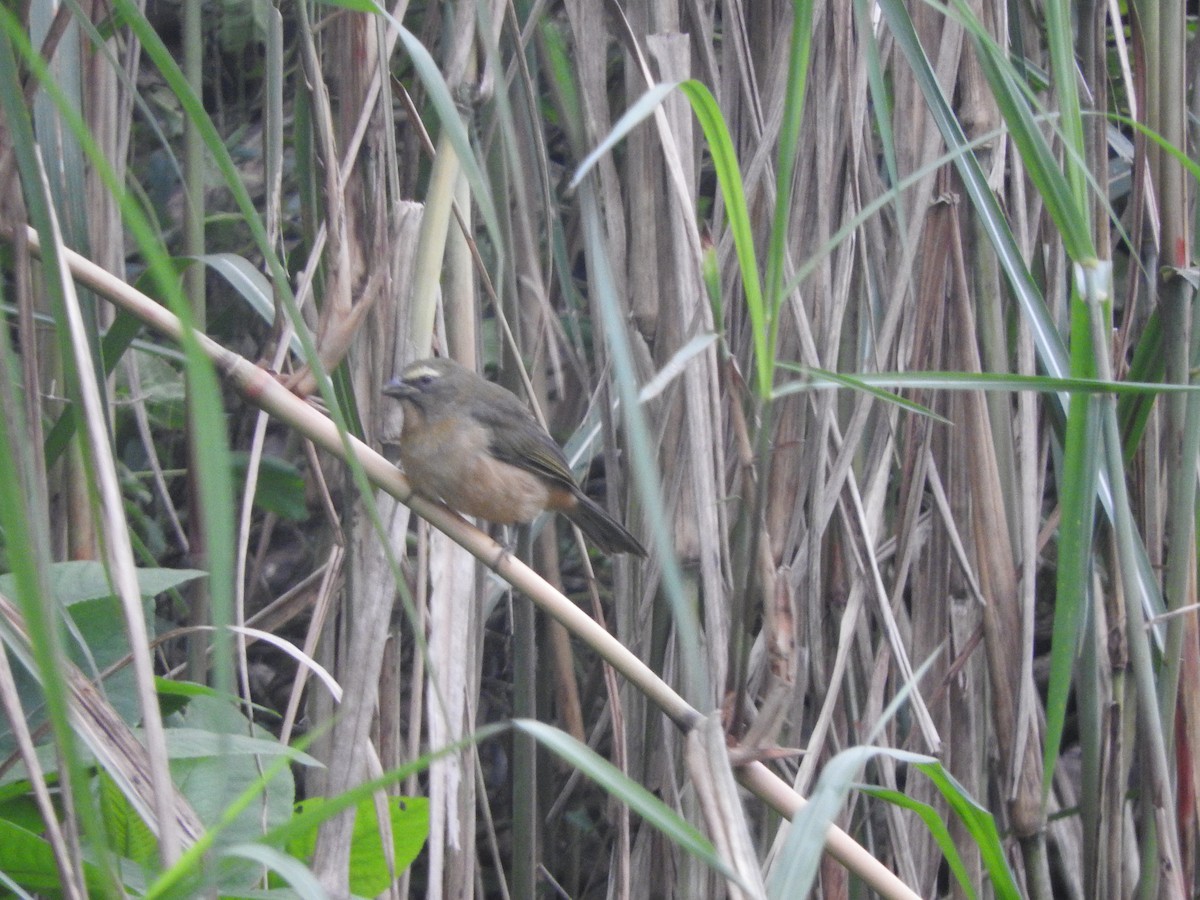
{"type": "Point", "coordinates": [518, 439]}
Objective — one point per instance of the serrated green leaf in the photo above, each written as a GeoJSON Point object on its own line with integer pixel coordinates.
{"type": "Point", "coordinates": [128, 834]}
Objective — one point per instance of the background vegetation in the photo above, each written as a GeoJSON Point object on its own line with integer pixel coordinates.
{"type": "Point", "coordinates": [872, 320]}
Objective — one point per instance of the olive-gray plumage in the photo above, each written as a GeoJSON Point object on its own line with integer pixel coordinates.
{"type": "Point", "coordinates": [474, 445]}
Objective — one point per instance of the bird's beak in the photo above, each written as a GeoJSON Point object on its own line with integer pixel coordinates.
{"type": "Point", "coordinates": [399, 389]}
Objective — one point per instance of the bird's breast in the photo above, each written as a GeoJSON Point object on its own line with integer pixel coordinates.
{"type": "Point", "coordinates": [452, 461]}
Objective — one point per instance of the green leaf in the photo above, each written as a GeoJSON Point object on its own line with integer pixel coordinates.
{"type": "Point", "coordinates": [250, 284]}
{"type": "Point", "coordinates": [1081, 470]}
{"type": "Point", "coordinates": [621, 787]}
{"type": "Point", "coordinates": [219, 756]}
{"type": "Point", "coordinates": [313, 817]}
{"type": "Point", "coordinates": [200, 743]}
{"type": "Point", "coordinates": [120, 335]}
{"type": "Point", "coordinates": [733, 192]}
{"type": "Point", "coordinates": [97, 637]}
{"type": "Point", "coordinates": [1148, 364]}
{"type": "Point", "coordinates": [794, 875]}
{"type": "Point", "coordinates": [298, 876]}
{"type": "Point", "coordinates": [367, 6]}
{"type": "Point", "coordinates": [369, 873]}
{"type": "Point", "coordinates": [1062, 204]}
{"type": "Point", "coordinates": [973, 381]}
{"type": "Point", "coordinates": [128, 834]}
{"type": "Point", "coordinates": [854, 383]}
{"type": "Point", "coordinates": [979, 822]}
{"type": "Point", "coordinates": [933, 821]}
{"type": "Point", "coordinates": [279, 488]}
{"type": "Point", "coordinates": [18, 806]}
{"type": "Point", "coordinates": [29, 861]}
{"type": "Point", "coordinates": [174, 696]}
{"type": "Point", "coordinates": [76, 581]}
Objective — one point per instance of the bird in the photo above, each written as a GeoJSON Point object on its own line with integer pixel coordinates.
{"type": "Point", "coordinates": [474, 445]}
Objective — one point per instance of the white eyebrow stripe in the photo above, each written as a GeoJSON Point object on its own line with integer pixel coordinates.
{"type": "Point", "coordinates": [421, 372]}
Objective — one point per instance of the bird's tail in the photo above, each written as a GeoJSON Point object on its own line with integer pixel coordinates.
{"type": "Point", "coordinates": [602, 529]}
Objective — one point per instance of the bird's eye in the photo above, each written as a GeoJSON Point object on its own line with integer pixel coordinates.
{"type": "Point", "coordinates": [424, 380]}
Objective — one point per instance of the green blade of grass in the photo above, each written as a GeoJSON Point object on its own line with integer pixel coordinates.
{"type": "Point", "coordinates": [972, 381]}
{"type": "Point", "coordinates": [621, 787]}
{"type": "Point", "coordinates": [937, 828]}
{"type": "Point", "coordinates": [733, 192]}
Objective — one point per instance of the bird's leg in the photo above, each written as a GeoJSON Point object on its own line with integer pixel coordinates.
{"type": "Point", "coordinates": [506, 549]}
{"type": "Point", "coordinates": [505, 553]}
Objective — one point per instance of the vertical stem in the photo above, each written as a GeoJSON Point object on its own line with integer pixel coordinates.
{"type": "Point", "coordinates": [1163, 34]}
{"type": "Point", "coordinates": [1160, 842]}
{"type": "Point", "coordinates": [193, 245]}
{"type": "Point", "coordinates": [524, 782]}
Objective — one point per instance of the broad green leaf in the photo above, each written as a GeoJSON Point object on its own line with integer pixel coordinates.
{"type": "Point", "coordinates": [279, 487]}
{"type": "Point", "coordinates": [199, 743]}
{"type": "Point", "coordinates": [28, 860]}
{"type": "Point", "coordinates": [218, 756]}
{"type": "Point", "coordinates": [369, 874]}
{"type": "Point", "coordinates": [76, 581]}
{"type": "Point", "coordinates": [127, 833]}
